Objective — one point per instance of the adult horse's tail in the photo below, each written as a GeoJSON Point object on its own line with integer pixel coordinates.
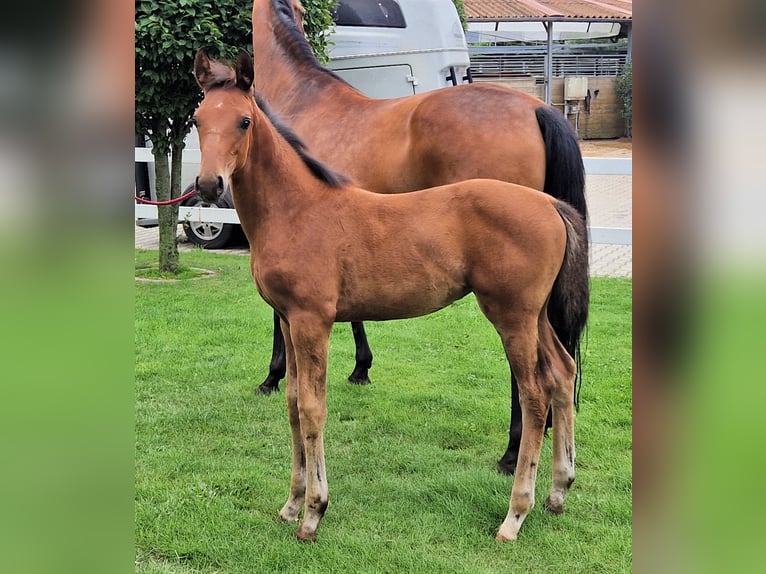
{"type": "Point", "coordinates": [564, 170]}
{"type": "Point", "coordinates": [568, 304]}
{"type": "Point", "coordinates": [565, 180]}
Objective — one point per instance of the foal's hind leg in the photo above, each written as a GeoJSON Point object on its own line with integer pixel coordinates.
{"type": "Point", "coordinates": [535, 388]}
{"type": "Point", "coordinates": [507, 463]}
{"type": "Point", "coordinates": [564, 371]}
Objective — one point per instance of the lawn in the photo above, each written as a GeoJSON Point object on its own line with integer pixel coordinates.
{"type": "Point", "coordinates": [410, 458]}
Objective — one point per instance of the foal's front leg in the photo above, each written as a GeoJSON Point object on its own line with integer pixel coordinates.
{"type": "Point", "coordinates": [291, 510]}
{"type": "Point", "coordinates": [309, 339]}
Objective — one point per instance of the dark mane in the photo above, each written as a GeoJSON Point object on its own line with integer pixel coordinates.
{"type": "Point", "coordinates": [320, 170]}
{"type": "Point", "coordinates": [290, 37]}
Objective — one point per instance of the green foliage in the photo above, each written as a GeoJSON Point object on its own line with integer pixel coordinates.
{"type": "Point", "coordinates": [168, 34]}
{"type": "Point", "coordinates": [317, 23]}
{"type": "Point", "coordinates": [461, 12]}
{"type": "Point", "coordinates": [624, 90]}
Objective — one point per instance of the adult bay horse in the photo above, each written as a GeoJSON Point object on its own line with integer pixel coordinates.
{"type": "Point", "coordinates": [404, 144]}
{"type": "Point", "coordinates": [323, 250]}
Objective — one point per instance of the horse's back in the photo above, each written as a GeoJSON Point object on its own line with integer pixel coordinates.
{"type": "Point", "coordinates": [433, 246]}
{"type": "Point", "coordinates": [477, 131]}
{"type": "Point", "coordinates": [472, 217]}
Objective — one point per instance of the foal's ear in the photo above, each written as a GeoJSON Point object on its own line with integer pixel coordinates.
{"type": "Point", "coordinates": [202, 70]}
{"type": "Point", "coordinates": [245, 71]}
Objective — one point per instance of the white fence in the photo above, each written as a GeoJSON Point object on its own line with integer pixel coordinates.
{"type": "Point", "coordinates": [593, 166]}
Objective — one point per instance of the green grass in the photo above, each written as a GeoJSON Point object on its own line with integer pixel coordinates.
{"type": "Point", "coordinates": [410, 458]}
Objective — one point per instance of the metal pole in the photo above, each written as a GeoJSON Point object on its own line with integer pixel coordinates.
{"type": "Point", "coordinates": [549, 63]}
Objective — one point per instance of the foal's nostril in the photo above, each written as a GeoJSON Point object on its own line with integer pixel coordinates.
{"type": "Point", "coordinates": [196, 184]}
{"type": "Point", "coordinates": [209, 188]}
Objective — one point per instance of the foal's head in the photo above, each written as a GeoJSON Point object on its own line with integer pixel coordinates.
{"type": "Point", "coordinates": [224, 120]}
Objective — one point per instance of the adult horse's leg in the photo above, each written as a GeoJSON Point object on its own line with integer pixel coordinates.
{"type": "Point", "coordinates": [507, 463]}
{"type": "Point", "coordinates": [309, 336]}
{"type": "Point", "coordinates": [360, 375]}
{"type": "Point", "coordinates": [277, 365]}
{"type": "Point", "coordinates": [292, 508]}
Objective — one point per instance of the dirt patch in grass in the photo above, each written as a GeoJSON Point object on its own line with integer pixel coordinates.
{"type": "Point", "coordinates": [150, 274]}
{"type": "Point", "coordinates": [619, 147]}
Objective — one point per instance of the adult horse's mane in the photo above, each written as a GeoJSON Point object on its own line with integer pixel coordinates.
{"type": "Point", "coordinates": [292, 39]}
{"type": "Point", "coordinates": [320, 170]}
{"type": "Point", "coordinates": [220, 75]}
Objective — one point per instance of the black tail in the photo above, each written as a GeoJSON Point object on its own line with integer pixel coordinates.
{"type": "Point", "coordinates": [564, 170]}
{"type": "Point", "coordinates": [568, 305]}
{"type": "Point", "coordinates": [565, 180]}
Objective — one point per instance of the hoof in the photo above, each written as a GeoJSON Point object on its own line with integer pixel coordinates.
{"type": "Point", "coordinates": [554, 507]}
{"type": "Point", "coordinates": [305, 536]}
{"type": "Point", "coordinates": [357, 379]}
{"type": "Point", "coordinates": [291, 511]}
{"type": "Point", "coordinates": [265, 389]}
{"type": "Point", "coordinates": [503, 538]}
{"type": "Point", "coordinates": [506, 467]}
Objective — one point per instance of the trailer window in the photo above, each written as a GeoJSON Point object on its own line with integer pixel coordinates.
{"type": "Point", "coordinates": [379, 13]}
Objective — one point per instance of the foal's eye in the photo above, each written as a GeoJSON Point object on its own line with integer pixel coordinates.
{"type": "Point", "coordinates": [245, 123]}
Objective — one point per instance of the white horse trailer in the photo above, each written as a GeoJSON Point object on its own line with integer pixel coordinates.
{"type": "Point", "coordinates": [393, 48]}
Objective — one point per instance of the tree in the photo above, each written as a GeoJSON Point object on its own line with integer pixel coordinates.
{"type": "Point", "coordinates": [168, 34]}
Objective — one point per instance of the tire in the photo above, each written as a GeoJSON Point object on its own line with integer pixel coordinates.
{"type": "Point", "coordinates": [209, 235]}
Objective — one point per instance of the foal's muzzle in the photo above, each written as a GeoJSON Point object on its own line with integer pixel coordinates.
{"type": "Point", "coordinates": [210, 188]}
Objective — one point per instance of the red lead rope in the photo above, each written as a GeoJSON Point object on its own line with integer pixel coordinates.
{"type": "Point", "coordinates": [169, 201]}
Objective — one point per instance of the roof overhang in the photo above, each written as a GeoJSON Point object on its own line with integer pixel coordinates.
{"type": "Point", "coordinates": [534, 29]}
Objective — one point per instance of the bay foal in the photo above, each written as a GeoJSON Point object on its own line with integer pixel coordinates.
{"type": "Point", "coordinates": [323, 250]}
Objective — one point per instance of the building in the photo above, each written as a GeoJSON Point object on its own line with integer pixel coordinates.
{"type": "Point", "coordinates": [558, 51]}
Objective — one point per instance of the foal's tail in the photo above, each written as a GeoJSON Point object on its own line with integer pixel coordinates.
{"type": "Point", "coordinates": [564, 170]}
{"type": "Point", "coordinates": [568, 304]}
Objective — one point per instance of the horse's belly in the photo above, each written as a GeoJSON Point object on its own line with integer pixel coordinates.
{"type": "Point", "coordinates": [398, 301]}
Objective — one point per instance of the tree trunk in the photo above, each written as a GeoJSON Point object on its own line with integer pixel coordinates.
{"type": "Point", "coordinates": [168, 216]}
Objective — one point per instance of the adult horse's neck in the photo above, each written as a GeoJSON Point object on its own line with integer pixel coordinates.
{"type": "Point", "coordinates": [287, 74]}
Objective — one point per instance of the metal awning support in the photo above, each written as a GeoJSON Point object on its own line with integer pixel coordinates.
{"type": "Point", "coordinates": [485, 24]}
{"type": "Point", "coordinates": [548, 62]}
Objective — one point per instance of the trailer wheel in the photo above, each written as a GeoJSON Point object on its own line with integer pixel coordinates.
{"type": "Point", "coordinates": [209, 235]}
